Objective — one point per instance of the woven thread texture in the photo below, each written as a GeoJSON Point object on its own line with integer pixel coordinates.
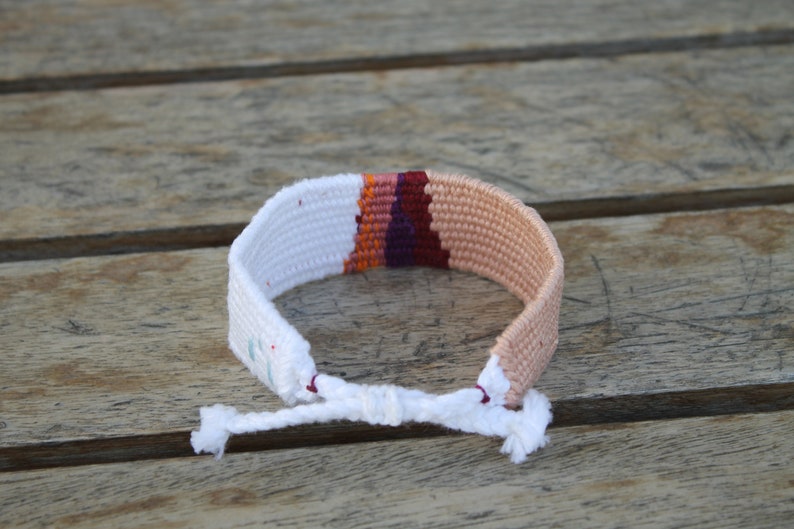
{"type": "Point", "coordinates": [493, 234]}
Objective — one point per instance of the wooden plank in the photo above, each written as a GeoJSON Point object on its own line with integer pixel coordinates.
{"type": "Point", "coordinates": [207, 155]}
{"type": "Point", "coordinates": [676, 305]}
{"type": "Point", "coordinates": [49, 38]}
{"type": "Point", "coordinates": [729, 472]}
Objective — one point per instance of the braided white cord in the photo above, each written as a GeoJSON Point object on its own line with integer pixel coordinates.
{"type": "Point", "coordinates": [524, 431]}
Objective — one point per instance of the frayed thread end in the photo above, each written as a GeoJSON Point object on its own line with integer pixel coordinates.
{"type": "Point", "coordinates": [214, 432]}
{"type": "Point", "coordinates": [528, 427]}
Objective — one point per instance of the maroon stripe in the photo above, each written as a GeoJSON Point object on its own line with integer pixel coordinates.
{"type": "Point", "coordinates": [414, 202]}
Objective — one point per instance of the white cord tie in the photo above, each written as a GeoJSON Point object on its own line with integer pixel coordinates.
{"type": "Point", "coordinates": [524, 430]}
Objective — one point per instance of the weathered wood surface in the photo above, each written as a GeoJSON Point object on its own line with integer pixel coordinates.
{"type": "Point", "coordinates": [49, 38]}
{"type": "Point", "coordinates": [668, 321]}
{"type": "Point", "coordinates": [208, 154]}
{"type": "Point", "coordinates": [681, 305]}
{"type": "Point", "coordinates": [728, 472]}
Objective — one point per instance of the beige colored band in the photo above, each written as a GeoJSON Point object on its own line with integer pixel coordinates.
{"type": "Point", "coordinates": [491, 233]}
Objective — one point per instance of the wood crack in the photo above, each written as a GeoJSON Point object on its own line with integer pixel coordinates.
{"type": "Point", "coordinates": [762, 398]}
{"type": "Point", "coordinates": [581, 50]}
{"type": "Point", "coordinates": [185, 238]}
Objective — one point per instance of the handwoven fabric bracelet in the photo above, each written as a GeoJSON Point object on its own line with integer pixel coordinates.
{"type": "Point", "coordinates": [352, 222]}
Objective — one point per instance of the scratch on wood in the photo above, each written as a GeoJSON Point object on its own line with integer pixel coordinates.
{"type": "Point", "coordinates": [607, 293]}
{"type": "Point", "coordinates": [78, 329]}
{"type": "Point", "coordinates": [576, 300]}
{"type": "Point", "coordinates": [687, 324]}
{"type": "Point", "coordinates": [722, 299]}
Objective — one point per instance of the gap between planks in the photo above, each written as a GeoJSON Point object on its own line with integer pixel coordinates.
{"type": "Point", "coordinates": [736, 400]}
{"type": "Point", "coordinates": [185, 238]}
{"type": "Point", "coordinates": [545, 52]}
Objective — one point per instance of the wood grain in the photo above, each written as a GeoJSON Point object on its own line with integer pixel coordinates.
{"type": "Point", "coordinates": [161, 158]}
{"type": "Point", "coordinates": [147, 127]}
{"type": "Point", "coordinates": [728, 472]}
{"type": "Point", "coordinates": [50, 38]}
{"type": "Point", "coordinates": [658, 305]}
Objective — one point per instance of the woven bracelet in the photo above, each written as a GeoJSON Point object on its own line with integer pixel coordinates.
{"type": "Point", "coordinates": [350, 223]}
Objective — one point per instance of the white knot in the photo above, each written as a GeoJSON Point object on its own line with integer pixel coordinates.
{"type": "Point", "coordinates": [214, 431]}
{"type": "Point", "coordinates": [528, 427]}
{"type": "Point", "coordinates": [381, 405]}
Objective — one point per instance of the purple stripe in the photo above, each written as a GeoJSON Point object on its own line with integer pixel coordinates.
{"type": "Point", "coordinates": [400, 236]}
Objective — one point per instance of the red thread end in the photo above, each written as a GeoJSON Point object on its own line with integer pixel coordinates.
{"type": "Point", "coordinates": [485, 398]}
{"type": "Point", "coordinates": [312, 387]}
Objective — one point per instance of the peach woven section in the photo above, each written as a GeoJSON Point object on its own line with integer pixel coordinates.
{"type": "Point", "coordinates": [489, 232]}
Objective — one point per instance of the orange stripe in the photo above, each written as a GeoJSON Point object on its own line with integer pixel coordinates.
{"type": "Point", "coordinates": [377, 194]}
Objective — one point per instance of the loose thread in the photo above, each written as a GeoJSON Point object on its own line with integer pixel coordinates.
{"type": "Point", "coordinates": [485, 397]}
{"type": "Point", "coordinates": [312, 386]}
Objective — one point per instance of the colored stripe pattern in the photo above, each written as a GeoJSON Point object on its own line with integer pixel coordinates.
{"type": "Point", "coordinates": [393, 227]}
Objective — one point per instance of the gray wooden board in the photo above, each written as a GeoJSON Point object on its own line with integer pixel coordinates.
{"type": "Point", "coordinates": [112, 346]}
{"type": "Point", "coordinates": [209, 154]}
{"type": "Point", "coordinates": [54, 37]}
{"type": "Point", "coordinates": [728, 472]}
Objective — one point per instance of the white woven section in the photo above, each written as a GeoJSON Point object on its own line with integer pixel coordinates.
{"type": "Point", "coordinates": [301, 234]}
